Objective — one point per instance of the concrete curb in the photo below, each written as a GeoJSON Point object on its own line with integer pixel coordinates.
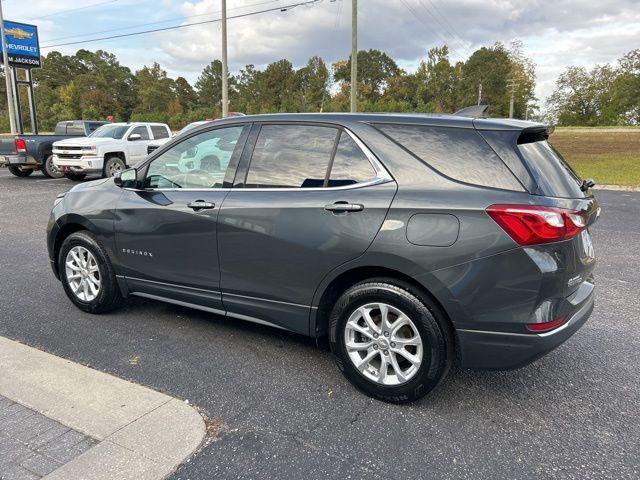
{"type": "Point", "coordinates": [143, 434]}
{"type": "Point", "coordinates": [619, 188]}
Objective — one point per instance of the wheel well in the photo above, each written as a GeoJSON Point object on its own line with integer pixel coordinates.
{"type": "Point", "coordinates": [120, 155]}
{"type": "Point", "coordinates": [63, 233]}
{"type": "Point", "coordinates": [345, 280]}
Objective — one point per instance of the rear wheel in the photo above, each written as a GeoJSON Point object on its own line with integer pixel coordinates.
{"type": "Point", "coordinates": [20, 173]}
{"type": "Point", "coordinates": [50, 170]}
{"type": "Point", "coordinates": [87, 274]}
{"type": "Point", "coordinates": [76, 177]}
{"type": "Point", "coordinates": [390, 341]}
{"type": "Point", "coordinates": [113, 166]}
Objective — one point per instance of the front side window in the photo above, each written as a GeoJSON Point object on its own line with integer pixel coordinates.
{"type": "Point", "coordinates": [110, 131]}
{"type": "Point", "coordinates": [291, 156]}
{"type": "Point", "coordinates": [142, 131]}
{"type": "Point", "coordinates": [200, 161]}
{"type": "Point", "coordinates": [159, 132]}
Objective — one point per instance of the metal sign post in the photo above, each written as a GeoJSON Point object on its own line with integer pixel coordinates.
{"type": "Point", "coordinates": [20, 49]}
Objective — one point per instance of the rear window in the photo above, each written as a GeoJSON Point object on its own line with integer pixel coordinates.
{"type": "Point", "coordinates": [458, 153]}
{"type": "Point", "coordinates": [159, 132]}
{"type": "Point", "coordinates": [554, 176]}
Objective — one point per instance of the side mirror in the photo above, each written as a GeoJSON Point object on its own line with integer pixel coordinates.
{"type": "Point", "coordinates": [134, 136]}
{"type": "Point", "coordinates": [127, 178]}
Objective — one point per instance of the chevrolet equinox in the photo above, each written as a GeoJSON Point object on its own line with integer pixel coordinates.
{"type": "Point", "coordinates": [406, 240]}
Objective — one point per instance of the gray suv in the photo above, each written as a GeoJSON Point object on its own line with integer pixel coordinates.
{"type": "Point", "coordinates": [406, 240]}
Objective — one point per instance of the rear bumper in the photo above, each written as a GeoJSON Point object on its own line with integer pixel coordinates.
{"type": "Point", "coordinates": [505, 350]}
{"type": "Point", "coordinates": [26, 160]}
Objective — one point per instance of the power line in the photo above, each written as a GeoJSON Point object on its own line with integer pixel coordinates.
{"type": "Point", "coordinates": [131, 34]}
{"type": "Point", "coordinates": [73, 10]}
{"type": "Point", "coordinates": [119, 29]}
{"type": "Point", "coordinates": [446, 26]}
{"type": "Point", "coordinates": [421, 20]}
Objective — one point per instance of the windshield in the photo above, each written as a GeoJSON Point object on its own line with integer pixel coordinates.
{"type": "Point", "coordinates": [110, 131]}
{"type": "Point", "coordinates": [191, 126]}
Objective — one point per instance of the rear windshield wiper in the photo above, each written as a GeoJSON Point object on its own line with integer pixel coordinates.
{"type": "Point", "coordinates": [587, 183]}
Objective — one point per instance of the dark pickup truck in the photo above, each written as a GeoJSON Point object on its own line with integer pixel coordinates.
{"type": "Point", "coordinates": [23, 154]}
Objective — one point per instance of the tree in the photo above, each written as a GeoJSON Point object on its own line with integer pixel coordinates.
{"type": "Point", "coordinates": [209, 86]}
{"type": "Point", "coordinates": [155, 89]}
{"type": "Point", "coordinates": [184, 93]}
{"type": "Point", "coordinates": [374, 70]}
{"type": "Point", "coordinates": [311, 84]}
{"type": "Point", "coordinates": [437, 81]}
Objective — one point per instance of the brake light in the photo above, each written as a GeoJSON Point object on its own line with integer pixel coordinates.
{"type": "Point", "coordinates": [21, 145]}
{"type": "Point", "coordinates": [546, 326]}
{"type": "Point", "coordinates": [534, 224]}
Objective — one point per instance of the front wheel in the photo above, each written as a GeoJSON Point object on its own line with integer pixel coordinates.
{"type": "Point", "coordinates": [49, 169]}
{"type": "Point", "coordinates": [390, 341]}
{"type": "Point", "coordinates": [87, 274]}
{"type": "Point", "coordinates": [20, 173]}
{"type": "Point", "coordinates": [113, 166]}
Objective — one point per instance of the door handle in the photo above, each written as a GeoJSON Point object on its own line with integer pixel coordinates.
{"type": "Point", "coordinates": [340, 207]}
{"type": "Point", "coordinates": [201, 205]}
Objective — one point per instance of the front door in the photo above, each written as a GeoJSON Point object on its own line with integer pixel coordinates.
{"type": "Point", "coordinates": [137, 149]}
{"type": "Point", "coordinates": [312, 200]}
{"type": "Point", "coordinates": [166, 231]}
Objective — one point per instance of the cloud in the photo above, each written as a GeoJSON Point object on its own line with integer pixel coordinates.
{"type": "Point", "coordinates": [555, 34]}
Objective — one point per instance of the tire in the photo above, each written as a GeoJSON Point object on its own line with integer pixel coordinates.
{"type": "Point", "coordinates": [49, 170]}
{"type": "Point", "coordinates": [104, 297]}
{"type": "Point", "coordinates": [75, 177]}
{"type": "Point", "coordinates": [404, 380]}
{"type": "Point", "coordinates": [113, 166]}
{"type": "Point", "coordinates": [20, 173]}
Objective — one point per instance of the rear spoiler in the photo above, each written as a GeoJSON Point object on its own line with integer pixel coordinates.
{"type": "Point", "coordinates": [473, 111]}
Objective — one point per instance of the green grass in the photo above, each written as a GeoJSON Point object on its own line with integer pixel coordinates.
{"type": "Point", "coordinates": [610, 169]}
{"type": "Point", "coordinates": [610, 158]}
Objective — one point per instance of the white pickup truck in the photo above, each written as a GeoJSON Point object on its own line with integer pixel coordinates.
{"type": "Point", "coordinates": [108, 150]}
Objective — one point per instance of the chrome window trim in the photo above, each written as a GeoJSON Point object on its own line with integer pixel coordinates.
{"type": "Point", "coordinates": [382, 175]}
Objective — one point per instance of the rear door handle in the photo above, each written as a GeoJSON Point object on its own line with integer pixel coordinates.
{"type": "Point", "coordinates": [344, 207]}
{"type": "Point", "coordinates": [201, 205]}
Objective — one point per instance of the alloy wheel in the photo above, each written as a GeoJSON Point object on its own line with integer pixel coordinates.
{"type": "Point", "coordinates": [83, 274]}
{"type": "Point", "coordinates": [383, 344]}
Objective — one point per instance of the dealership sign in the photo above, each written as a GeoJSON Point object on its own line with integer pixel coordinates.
{"type": "Point", "coordinates": [23, 49]}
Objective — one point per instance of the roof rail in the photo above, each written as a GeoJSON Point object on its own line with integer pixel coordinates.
{"type": "Point", "coordinates": [473, 111]}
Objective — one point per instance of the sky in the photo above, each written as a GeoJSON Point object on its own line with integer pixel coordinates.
{"type": "Point", "coordinates": [555, 34]}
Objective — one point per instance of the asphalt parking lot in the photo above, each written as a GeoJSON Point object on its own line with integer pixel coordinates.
{"type": "Point", "coordinates": [282, 410]}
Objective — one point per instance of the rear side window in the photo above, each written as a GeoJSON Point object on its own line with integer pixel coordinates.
{"type": "Point", "coordinates": [458, 153]}
{"type": "Point", "coordinates": [75, 129]}
{"type": "Point", "coordinates": [350, 165]}
{"type": "Point", "coordinates": [555, 178]}
{"type": "Point", "coordinates": [159, 132]}
{"type": "Point", "coordinates": [291, 156]}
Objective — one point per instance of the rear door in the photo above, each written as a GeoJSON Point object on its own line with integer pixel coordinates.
{"type": "Point", "coordinates": [308, 198]}
{"type": "Point", "coordinates": [166, 231]}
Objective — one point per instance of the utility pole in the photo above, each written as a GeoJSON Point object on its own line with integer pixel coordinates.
{"type": "Point", "coordinates": [5, 59]}
{"type": "Point", "coordinates": [512, 85]}
{"type": "Point", "coordinates": [354, 55]}
{"type": "Point", "coordinates": [225, 70]}
{"type": "Point", "coordinates": [479, 93]}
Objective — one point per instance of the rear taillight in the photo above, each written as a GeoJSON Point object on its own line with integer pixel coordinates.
{"type": "Point", "coordinates": [21, 145]}
{"type": "Point", "coordinates": [532, 224]}
{"type": "Point", "coordinates": [546, 326]}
